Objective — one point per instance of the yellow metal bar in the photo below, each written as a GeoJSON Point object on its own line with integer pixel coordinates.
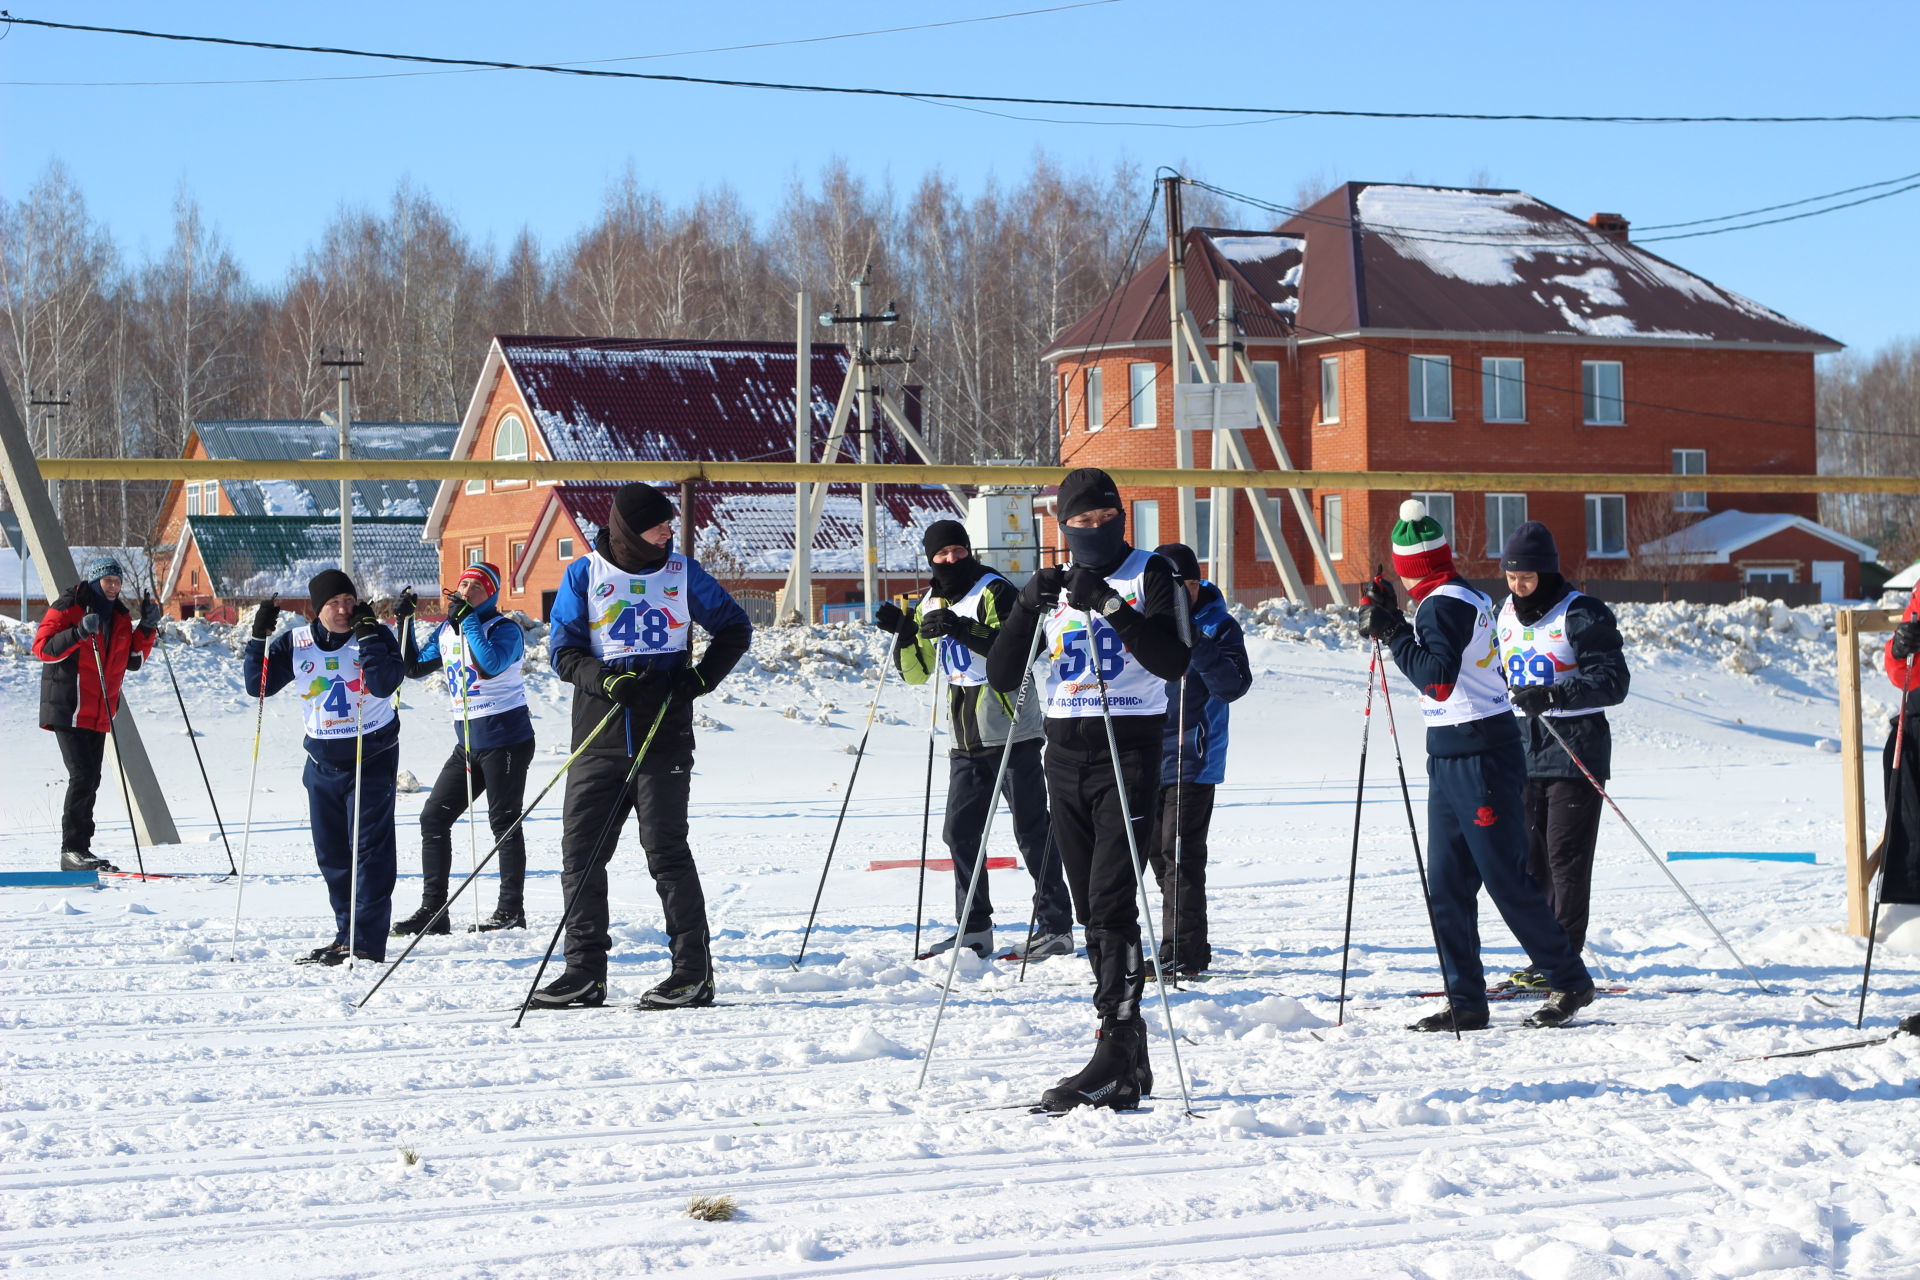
{"type": "Point", "coordinates": [886, 473]}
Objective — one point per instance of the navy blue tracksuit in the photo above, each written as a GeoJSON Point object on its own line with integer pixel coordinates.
{"type": "Point", "coordinates": [1476, 811]}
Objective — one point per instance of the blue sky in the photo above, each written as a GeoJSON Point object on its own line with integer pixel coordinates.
{"type": "Point", "coordinates": [271, 162]}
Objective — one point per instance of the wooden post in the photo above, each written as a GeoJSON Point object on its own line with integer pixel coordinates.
{"type": "Point", "coordinates": [686, 518]}
{"type": "Point", "coordinates": [1848, 625]}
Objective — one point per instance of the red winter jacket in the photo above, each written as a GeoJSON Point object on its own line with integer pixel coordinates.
{"type": "Point", "coordinates": [70, 680]}
{"type": "Point", "coordinates": [1897, 667]}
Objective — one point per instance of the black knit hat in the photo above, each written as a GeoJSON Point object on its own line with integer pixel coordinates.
{"type": "Point", "coordinates": [945, 533]}
{"type": "Point", "coordinates": [1530, 549]}
{"type": "Point", "coordinates": [1186, 565]}
{"type": "Point", "coordinates": [327, 584]}
{"type": "Point", "coordinates": [641, 507]}
{"type": "Point", "coordinates": [1087, 489]}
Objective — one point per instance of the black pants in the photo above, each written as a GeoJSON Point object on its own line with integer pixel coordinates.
{"type": "Point", "coordinates": [500, 774]}
{"type": "Point", "coordinates": [82, 750]}
{"type": "Point", "coordinates": [1092, 838]}
{"type": "Point", "coordinates": [1563, 822]}
{"type": "Point", "coordinates": [1900, 864]}
{"type": "Point", "coordinates": [596, 803]}
{"type": "Point", "coordinates": [969, 799]}
{"type": "Point", "coordinates": [1183, 884]}
{"type": "Point", "coordinates": [330, 805]}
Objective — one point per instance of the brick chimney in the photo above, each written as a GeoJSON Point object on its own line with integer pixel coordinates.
{"type": "Point", "coordinates": [1610, 225]}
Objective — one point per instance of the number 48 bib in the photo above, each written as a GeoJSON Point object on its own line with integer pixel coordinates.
{"type": "Point", "coordinates": [637, 614]}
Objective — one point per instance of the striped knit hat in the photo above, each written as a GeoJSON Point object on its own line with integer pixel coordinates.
{"type": "Point", "coordinates": [482, 572]}
{"type": "Point", "coordinates": [1419, 543]}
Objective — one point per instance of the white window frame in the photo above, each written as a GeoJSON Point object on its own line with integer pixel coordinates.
{"type": "Point", "coordinates": [210, 498]}
{"type": "Point", "coordinates": [1769, 575]}
{"type": "Point", "coordinates": [1690, 462]}
{"type": "Point", "coordinates": [1329, 388]}
{"type": "Point", "coordinates": [1423, 371]}
{"type": "Point", "coordinates": [1597, 503]}
{"type": "Point", "coordinates": [521, 455]}
{"type": "Point", "coordinates": [474, 553]}
{"type": "Point", "coordinates": [1095, 388]}
{"type": "Point", "coordinates": [563, 549]}
{"type": "Point", "coordinates": [1596, 403]}
{"type": "Point", "coordinates": [1498, 531]}
{"type": "Point", "coordinates": [1266, 376]}
{"type": "Point", "coordinates": [1436, 503]}
{"type": "Point", "coordinates": [1142, 394]}
{"type": "Point", "coordinates": [1275, 506]}
{"type": "Point", "coordinates": [1066, 403]}
{"type": "Point", "coordinates": [1500, 384]}
{"type": "Point", "coordinates": [476, 485]}
{"type": "Point", "coordinates": [1203, 528]}
{"type": "Point", "coordinates": [1145, 511]}
{"type": "Point", "coordinates": [516, 552]}
{"type": "Point", "coordinates": [1333, 525]}
{"type": "Point", "coordinates": [193, 497]}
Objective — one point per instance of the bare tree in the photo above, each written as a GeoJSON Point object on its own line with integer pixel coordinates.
{"type": "Point", "coordinates": [1869, 424]}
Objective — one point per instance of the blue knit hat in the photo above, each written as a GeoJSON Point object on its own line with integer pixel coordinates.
{"type": "Point", "coordinates": [103, 567]}
{"type": "Point", "coordinates": [1530, 549]}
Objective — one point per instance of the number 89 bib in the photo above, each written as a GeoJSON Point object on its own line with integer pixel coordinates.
{"type": "Point", "coordinates": [636, 614]}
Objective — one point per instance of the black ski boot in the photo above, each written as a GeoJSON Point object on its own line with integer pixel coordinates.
{"type": "Point", "coordinates": [571, 990]}
{"type": "Point", "coordinates": [1111, 1078]}
{"type": "Point", "coordinates": [502, 918]}
{"type": "Point", "coordinates": [1560, 1007]}
{"type": "Point", "coordinates": [78, 860]}
{"type": "Point", "coordinates": [418, 922]}
{"type": "Point", "coordinates": [681, 991]}
{"type": "Point", "coordinates": [1443, 1021]}
{"type": "Point", "coordinates": [331, 954]}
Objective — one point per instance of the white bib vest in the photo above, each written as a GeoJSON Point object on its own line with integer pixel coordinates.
{"type": "Point", "coordinates": [1480, 690]}
{"type": "Point", "coordinates": [1539, 654]}
{"type": "Point", "coordinates": [962, 665]}
{"type": "Point", "coordinates": [329, 685]}
{"type": "Point", "coordinates": [634, 615]}
{"type": "Point", "coordinates": [1073, 679]}
{"type": "Point", "coordinates": [484, 695]}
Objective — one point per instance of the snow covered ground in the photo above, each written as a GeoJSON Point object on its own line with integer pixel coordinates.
{"type": "Point", "coordinates": [170, 1112]}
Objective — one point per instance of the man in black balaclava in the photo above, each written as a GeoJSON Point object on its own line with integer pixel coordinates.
{"type": "Point", "coordinates": [1562, 654]}
{"type": "Point", "coordinates": [952, 629]}
{"type": "Point", "coordinates": [1112, 624]}
{"type": "Point", "coordinates": [621, 634]}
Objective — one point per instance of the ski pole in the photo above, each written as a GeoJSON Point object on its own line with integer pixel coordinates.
{"type": "Point", "coordinates": [119, 761]}
{"type": "Point", "coordinates": [980, 854]}
{"type": "Point", "coordinates": [1179, 827]}
{"type": "Point", "coordinates": [246, 832]}
{"type": "Point", "coordinates": [1406, 798]}
{"type": "Point", "coordinates": [860, 754]}
{"type": "Point", "coordinates": [926, 810]}
{"type": "Point", "coordinates": [599, 842]}
{"type": "Point", "coordinates": [353, 883]}
{"type": "Point", "coordinates": [160, 639]}
{"type": "Point", "coordinates": [1353, 858]}
{"type": "Point", "coordinates": [1893, 798]}
{"type": "Point", "coordinates": [1708, 920]}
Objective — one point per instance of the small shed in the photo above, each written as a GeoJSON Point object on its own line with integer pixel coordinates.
{"type": "Point", "coordinates": [1759, 548]}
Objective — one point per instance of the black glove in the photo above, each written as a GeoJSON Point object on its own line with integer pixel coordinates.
{"type": "Point", "coordinates": [265, 619]}
{"type": "Point", "coordinates": [89, 623]}
{"type": "Point", "coordinates": [363, 620]}
{"type": "Point", "coordinates": [407, 605]}
{"type": "Point", "coordinates": [1906, 640]}
{"type": "Point", "coordinates": [1043, 589]}
{"type": "Point", "coordinates": [457, 608]}
{"type": "Point", "coordinates": [889, 617]}
{"type": "Point", "coordinates": [624, 687]}
{"type": "Point", "coordinates": [689, 684]}
{"type": "Point", "coordinates": [1380, 616]}
{"type": "Point", "coordinates": [1530, 700]}
{"type": "Point", "coordinates": [149, 613]}
{"type": "Point", "coordinates": [1089, 591]}
{"type": "Point", "coordinates": [942, 622]}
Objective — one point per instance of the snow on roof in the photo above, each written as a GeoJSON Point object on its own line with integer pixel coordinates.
{"type": "Point", "coordinates": [132, 559]}
{"type": "Point", "coordinates": [1715, 539]}
{"type": "Point", "coordinates": [250, 556]}
{"type": "Point", "coordinates": [297, 439]}
{"type": "Point", "coordinates": [1905, 580]}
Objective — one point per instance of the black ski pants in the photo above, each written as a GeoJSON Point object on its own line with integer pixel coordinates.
{"type": "Point", "coordinates": [330, 805]}
{"type": "Point", "coordinates": [970, 799]}
{"type": "Point", "coordinates": [500, 774]}
{"type": "Point", "coordinates": [1563, 822]}
{"type": "Point", "coordinates": [1476, 833]}
{"type": "Point", "coordinates": [82, 750]}
{"type": "Point", "coordinates": [597, 807]}
{"type": "Point", "coordinates": [1900, 864]}
{"type": "Point", "coordinates": [1183, 883]}
{"type": "Point", "coordinates": [1091, 835]}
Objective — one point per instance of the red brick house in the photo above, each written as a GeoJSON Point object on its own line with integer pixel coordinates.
{"type": "Point", "coordinates": [599, 399]}
{"type": "Point", "coordinates": [1400, 327]}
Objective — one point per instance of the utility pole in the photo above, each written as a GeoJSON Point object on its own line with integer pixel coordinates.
{"type": "Point", "coordinates": [864, 360]}
{"type": "Point", "coordinates": [799, 603]}
{"type": "Point", "coordinates": [344, 420]}
{"type": "Point", "coordinates": [50, 421]}
{"type": "Point", "coordinates": [1221, 505]}
{"type": "Point", "coordinates": [1176, 303]}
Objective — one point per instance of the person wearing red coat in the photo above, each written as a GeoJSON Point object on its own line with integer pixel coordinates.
{"type": "Point", "coordinates": [87, 642]}
{"type": "Point", "coordinates": [1900, 865]}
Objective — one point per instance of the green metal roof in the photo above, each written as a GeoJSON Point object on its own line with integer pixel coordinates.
{"type": "Point", "coordinates": [277, 555]}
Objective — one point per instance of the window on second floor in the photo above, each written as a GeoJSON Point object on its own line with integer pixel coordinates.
{"type": "Point", "coordinates": [1330, 389]}
{"type": "Point", "coordinates": [193, 497]}
{"type": "Point", "coordinates": [1430, 388]}
{"type": "Point", "coordinates": [563, 548]}
{"type": "Point", "coordinates": [1266, 376]}
{"type": "Point", "coordinates": [1096, 406]}
{"type": "Point", "coordinates": [509, 445]}
{"type": "Point", "coordinates": [1503, 389]}
{"type": "Point", "coordinates": [1690, 462]}
{"type": "Point", "coordinates": [1602, 401]}
{"type": "Point", "coordinates": [1141, 410]}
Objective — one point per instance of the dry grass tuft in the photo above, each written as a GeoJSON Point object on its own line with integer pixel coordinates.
{"type": "Point", "coordinates": [712, 1208]}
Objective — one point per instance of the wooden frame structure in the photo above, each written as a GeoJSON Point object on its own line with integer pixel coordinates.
{"type": "Point", "coordinates": [1848, 626]}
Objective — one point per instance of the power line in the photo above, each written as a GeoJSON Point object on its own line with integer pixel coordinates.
{"type": "Point", "coordinates": [954, 97]}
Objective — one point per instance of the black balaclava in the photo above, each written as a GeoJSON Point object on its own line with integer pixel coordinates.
{"type": "Point", "coordinates": [1530, 609]}
{"type": "Point", "coordinates": [1101, 549]}
{"type": "Point", "coordinates": [951, 581]}
{"type": "Point", "coordinates": [636, 509]}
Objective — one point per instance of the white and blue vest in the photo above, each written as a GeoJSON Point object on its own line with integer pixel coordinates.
{"type": "Point", "coordinates": [1083, 650]}
{"type": "Point", "coordinates": [330, 688]}
{"type": "Point", "coordinates": [1480, 690]}
{"type": "Point", "coordinates": [963, 667]}
{"type": "Point", "coordinates": [472, 694]}
{"type": "Point", "coordinates": [1540, 653]}
{"type": "Point", "coordinates": [637, 615]}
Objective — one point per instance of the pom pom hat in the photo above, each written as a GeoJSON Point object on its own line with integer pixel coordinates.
{"type": "Point", "coordinates": [1419, 543]}
{"type": "Point", "coordinates": [481, 571]}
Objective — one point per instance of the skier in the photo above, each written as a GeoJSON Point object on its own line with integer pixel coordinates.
{"type": "Point", "coordinates": [1476, 808]}
{"type": "Point", "coordinates": [348, 666]}
{"type": "Point", "coordinates": [621, 635]}
{"type": "Point", "coordinates": [87, 642]}
{"type": "Point", "coordinates": [480, 649]}
{"type": "Point", "coordinates": [1562, 654]}
{"type": "Point", "coordinates": [973, 603]}
{"type": "Point", "coordinates": [1113, 623]}
{"type": "Point", "coordinates": [1900, 860]}
{"type": "Point", "coordinates": [1193, 761]}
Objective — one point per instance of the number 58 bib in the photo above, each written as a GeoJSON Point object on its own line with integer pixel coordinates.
{"type": "Point", "coordinates": [1082, 656]}
{"type": "Point", "coordinates": [633, 615]}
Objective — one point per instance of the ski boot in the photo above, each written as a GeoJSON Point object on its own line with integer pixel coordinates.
{"type": "Point", "coordinates": [1111, 1078]}
{"type": "Point", "coordinates": [1044, 945]}
{"type": "Point", "coordinates": [78, 860]}
{"type": "Point", "coordinates": [502, 918]}
{"type": "Point", "coordinates": [331, 954]}
{"type": "Point", "coordinates": [422, 921]}
{"type": "Point", "coordinates": [980, 942]}
{"type": "Point", "coordinates": [1531, 979]}
{"type": "Point", "coordinates": [571, 990]}
{"type": "Point", "coordinates": [1443, 1021]}
{"type": "Point", "coordinates": [1560, 1007]}
{"type": "Point", "coordinates": [680, 991]}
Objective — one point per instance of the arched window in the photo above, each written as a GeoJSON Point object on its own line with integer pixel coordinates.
{"type": "Point", "coordinates": [509, 441]}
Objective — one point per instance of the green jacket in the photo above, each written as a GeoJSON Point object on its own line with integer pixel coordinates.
{"type": "Point", "coordinates": [978, 717]}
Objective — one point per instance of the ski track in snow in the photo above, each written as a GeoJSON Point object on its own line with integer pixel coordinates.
{"type": "Point", "coordinates": [169, 1112]}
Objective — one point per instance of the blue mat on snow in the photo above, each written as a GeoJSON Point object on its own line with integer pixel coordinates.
{"type": "Point", "coordinates": [1747, 855]}
{"type": "Point", "coordinates": [28, 879]}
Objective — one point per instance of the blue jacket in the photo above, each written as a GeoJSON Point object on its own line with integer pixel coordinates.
{"type": "Point", "coordinates": [496, 643]}
{"type": "Point", "coordinates": [1217, 674]}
